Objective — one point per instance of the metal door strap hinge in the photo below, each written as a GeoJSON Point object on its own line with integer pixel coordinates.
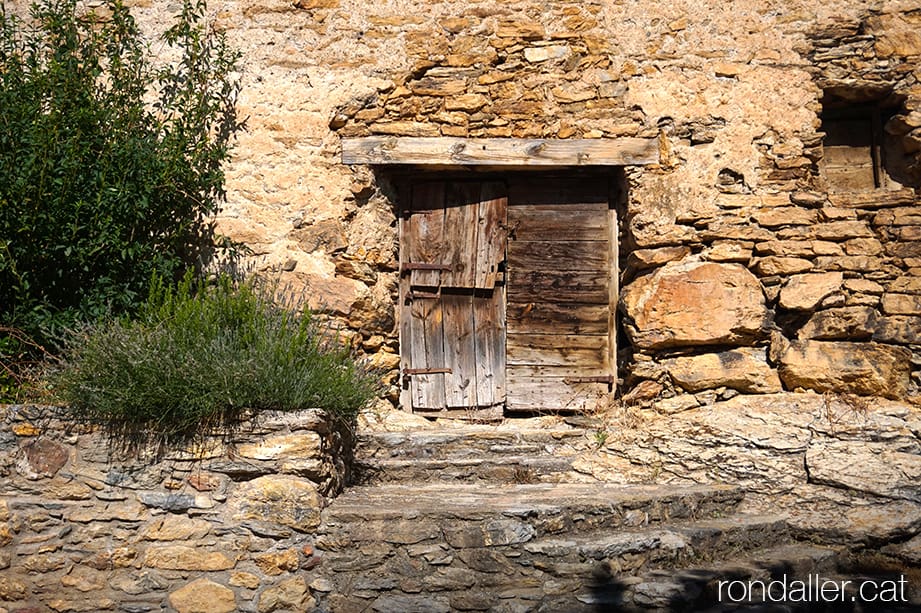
{"type": "Point", "coordinates": [410, 266]}
{"type": "Point", "coordinates": [426, 371]}
{"type": "Point", "coordinates": [413, 294]}
{"type": "Point", "coordinates": [609, 379]}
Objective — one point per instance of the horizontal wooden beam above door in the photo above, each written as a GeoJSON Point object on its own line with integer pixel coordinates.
{"type": "Point", "coordinates": [446, 151]}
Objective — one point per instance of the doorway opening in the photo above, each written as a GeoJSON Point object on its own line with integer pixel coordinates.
{"type": "Point", "coordinates": [508, 291]}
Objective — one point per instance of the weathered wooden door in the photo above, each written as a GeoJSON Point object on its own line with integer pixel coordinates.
{"type": "Point", "coordinates": [453, 246]}
{"type": "Point", "coordinates": [507, 293]}
{"type": "Point", "coordinates": [562, 290]}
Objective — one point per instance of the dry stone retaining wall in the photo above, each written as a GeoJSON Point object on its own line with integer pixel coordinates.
{"type": "Point", "coordinates": [224, 526]}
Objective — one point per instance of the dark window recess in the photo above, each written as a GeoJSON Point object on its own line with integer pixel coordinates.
{"type": "Point", "coordinates": [854, 148]}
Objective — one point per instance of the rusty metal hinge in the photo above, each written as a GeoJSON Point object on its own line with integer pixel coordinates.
{"type": "Point", "coordinates": [413, 294]}
{"type": "Point", "coordinates": [426, 371]}
{"type": "Point", "coordinates": [609, 379]}
{"type": "Point", "coordinates": [410, 266]}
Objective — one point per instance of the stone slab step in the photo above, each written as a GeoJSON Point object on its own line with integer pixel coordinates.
{"type": "Point", "coordinates": [472, 515]}
{"type": "Point", "coordinates": [470, 441]}
{"type": "Point", "coordinates": [494, 468]}
{"type": "Point", "coordinates": [668, 545]}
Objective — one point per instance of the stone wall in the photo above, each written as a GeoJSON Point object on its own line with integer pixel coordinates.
{"type": "Point", "coordinates": [222, 526]}
{"type": "Point", "coordinates": [781, 281]}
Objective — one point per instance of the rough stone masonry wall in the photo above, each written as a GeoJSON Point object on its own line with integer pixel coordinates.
{"type": "Point", "coordinates": [223, 526]}
{"type": "Point", "coordinates": [775, 278]}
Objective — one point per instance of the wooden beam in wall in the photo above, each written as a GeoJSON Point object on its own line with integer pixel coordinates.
{"type": "Point", "coordinates": [449, 151]}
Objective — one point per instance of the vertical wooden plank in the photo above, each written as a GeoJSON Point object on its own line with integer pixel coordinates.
{"type": "Point", "coordinates": [427, 350]}
{"type": "Point", "coordinates": [404, 314]}
{"type": "Point", "coordinates": [613, 287]}
{"type": "Point", "coordinates": [489, 326]}
{"type": "Point", "coordinates": [491, 235]}
{"type": "Point", "coordinates": [460, 233]}
{"type": "Point", "coordinates": [425, 232]}
{"type": "Point", "coordinates": [459, 350]}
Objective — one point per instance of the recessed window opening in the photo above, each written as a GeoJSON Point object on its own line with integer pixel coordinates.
{"type": "Point", "coordinates": [859, 155]}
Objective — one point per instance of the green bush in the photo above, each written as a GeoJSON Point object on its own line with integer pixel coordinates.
{"type": "Point", "coordinates": [193, 360]}
{"type": "Point", "coordinates": [110, 164]}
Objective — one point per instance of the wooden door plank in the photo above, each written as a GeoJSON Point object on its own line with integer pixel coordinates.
{"type": "Point", "coordinates": [554, 394]}
{"type": "Point", "coordinates": [557, 287]}
{"type": "Point", "coordinates": [427, 350]}
{"type": "Point", "coordinates": [489, 334]}
{"type": "Point", "coordinates": [561, 224]}
{"type": "Point", "coordinates": [460, 350]}
{"type": "Point", "coordinates": [557, 349]}
{"type": "Point", "coordinates": [549, 255]}
{"type": "Point", "coordinates": [491, 234]}
{"type": "Point", "coordinates": [425, 237]}
{"type": "Point", "coordinates": [521, 372]}
{"type": "Point", "coordinates": [462, 199]}
{"type": "Point", "coordinates": [499, 151]}
{"type": "Point", "coordinates": [542, 317]}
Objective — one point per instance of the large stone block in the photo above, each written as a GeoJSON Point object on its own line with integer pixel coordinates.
{"type": "Point", "coordinates": [849, 323]}
{"type": "Point", "coordinates": [280, 499]}
{"type": "Point", "coordinates": [875, 468]}
{"type": "Point", "coordinates": [805, 292]}
{"type": "Point", "coordinates": [203, 596]}
{"type": "Point", "coordinates": [868, 369]}
{"type": "Point", "coordinates": [745, 370]}
{"type": "Point", "coordinates": [695, 303]}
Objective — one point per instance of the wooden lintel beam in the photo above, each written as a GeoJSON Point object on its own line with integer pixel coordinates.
{"type": "Point", "coordinates": [449, 151]}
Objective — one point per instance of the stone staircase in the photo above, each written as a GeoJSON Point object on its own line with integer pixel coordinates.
{"type": "Point", "coordinates": [483, 519]}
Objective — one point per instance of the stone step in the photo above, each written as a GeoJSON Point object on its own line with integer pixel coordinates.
{"type": "Point", "coordinates": [477, 515]}
{"type": "Point", "coordinates": [670, 545]}
{"type": "Point", "coordinates": [505, 469]}
{"type": "Point", "coordinates": [469, 441]}
{"type": "Point", "coordinates": [474, 453]}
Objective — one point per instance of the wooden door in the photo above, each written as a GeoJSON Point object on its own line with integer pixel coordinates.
{"type": "Point", "coordinates": [452, 320]}
{"type": "Point", "coordinates": [561, 294]}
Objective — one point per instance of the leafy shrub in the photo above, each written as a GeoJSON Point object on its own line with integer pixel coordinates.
{"type": "Point", "coordinates": [195, 359]}
{"type": "Point", "coordinates": [110, 165]}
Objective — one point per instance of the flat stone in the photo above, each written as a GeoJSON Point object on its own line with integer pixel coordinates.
{"type": "Point", "coordinates": [289, 501]}
{"type": "Point", "coordinates": [168, 501]}
{"type": "Point", "coordinates": [868, 369]}
{"type": "Point", "coordinates": [203, 596]}
{"type": "Point", "coordinates": [13, 589]}
{"type": "Point", "coordinates": [850, 323]}
{"type": "Point", "coordinates": [290, 594]}
{"type": "Point", "coordinates": [874, 468]}
{"type": "Point", "coordinates": [409, 603]}
{"type": "Point", "coordinates": [496, 532]}
{"type": "Point", "coordinates": [181, 557]}
{"type": "Point", "coordinates": [901, 304]}
{"type": "Point", "coordinates": [176, 528]}
{"type": "Point", "coordinates": [450, 579]}
{"type": "Point", "coordinates": [745, 370]}
{"type": "Point", "coordinates": [277, 563]}
{"type": "Point", "coordinates": [776, 265]}
{"type": "Point", "coordinates": [909, 551]}
{"type": "Point", "coordinates": [536, 55]}
{"type": "Point", "coordinates": [244, 579]}
{"type": "Point", "coordinates": [45, 457]}
{"type": "Point", "coordinates": [302, 445]}
{"type": "Point", "coordinates": [805, 292]}
{"type": "Point", "coordinates": [898, 329]}
{"type": "Point", "coordinates": [695, 303]}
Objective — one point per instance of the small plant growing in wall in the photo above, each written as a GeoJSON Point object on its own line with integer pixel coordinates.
{"type": "Point", "coordinates": [203, 356]}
